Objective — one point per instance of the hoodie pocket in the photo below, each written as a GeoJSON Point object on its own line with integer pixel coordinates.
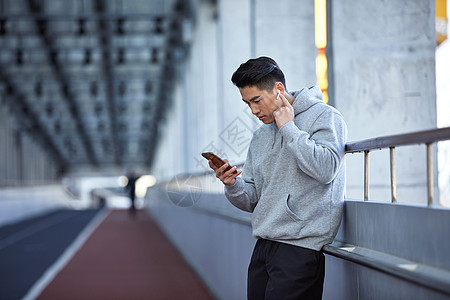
{"type": "Point", "coordinates": [289, 210]}
{"type": "Point", "coordinates": [275, 220]}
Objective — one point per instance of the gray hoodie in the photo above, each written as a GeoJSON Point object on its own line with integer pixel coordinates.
{"type": "Point", "coordinates": [293, 178]}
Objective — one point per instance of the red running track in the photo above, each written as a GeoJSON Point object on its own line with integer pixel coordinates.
{"type": "Point", "coordinates": [126, 258]}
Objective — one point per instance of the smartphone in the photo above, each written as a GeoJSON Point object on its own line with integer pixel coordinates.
{"type": "Point", "coordinates": [217, 161]}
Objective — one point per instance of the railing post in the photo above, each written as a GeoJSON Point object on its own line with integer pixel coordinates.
{"type": "Point", "coordinates": [393, 177]}
{"type": "Point", "coordinates": [366, 175]}
{"type": "Point", "coordinates": [430, 173]}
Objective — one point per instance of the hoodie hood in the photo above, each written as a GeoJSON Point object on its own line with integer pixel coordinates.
{"type": "Point", "coordinates": [304, 99]}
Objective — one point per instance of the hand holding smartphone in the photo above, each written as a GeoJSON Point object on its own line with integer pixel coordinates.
{"type": "Point", "coordinates": [217, 161]}
{"type": "Point", "coordinates": [227, 179]}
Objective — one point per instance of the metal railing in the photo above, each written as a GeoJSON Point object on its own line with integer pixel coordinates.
{"type": "Point", "coordinates": [427, 137]}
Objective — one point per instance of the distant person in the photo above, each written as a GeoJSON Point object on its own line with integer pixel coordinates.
{"type": "Point", "coordinates": [131, 187]}
{"type": "Point", "coordinates": [292, 181]}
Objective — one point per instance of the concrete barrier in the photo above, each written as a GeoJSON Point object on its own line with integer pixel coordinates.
{"type": "Point", "coordinates": [18, 203]}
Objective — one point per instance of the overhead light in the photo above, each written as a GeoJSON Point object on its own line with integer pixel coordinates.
{"type": "Point", "coordinates": [143, 183]}
{"type": "Point", "coordinates": [120, 29]}
{"type": "Point", "coordinates": [57, 127]}
{"type": "Point", "coordinates": [68, 142]}
{"type": "Point", "coordinates": [146, 107]}
{"type": "Point", "coordinates": [24, 107]}
{"type": "Point", "coordinates": [101, 128]}
{"type": "Point", "coordinates": [98, 108]}
{"type": "Point", "coordinates": [154, 56]}
{"type": "Point", "coordinates": [148, 88]}
{"type": "Point", "coordinates": [9, 90]}
{"type": "Point", "coordinates": [122, 181]}
{"type": "Point", "coordinates": [19, 57]}
{"type": "Point", "coordinates": [122, 125]}
{"type": "Point", "coordinates": [122, 107]}
{"type": "Point", "coordinates": [179, 6]}
{"type": "Point", "coordinates": [174, 41]}
{"type": "Point", "coordinates": [65, 90]}
{"type": "Point", "coordinates": [2, 27]}
{"type": "Point", "coordinates": [169, 56]}
{"type": "Point", "coordinates": [175, 26]}
{"type": "Point", "coordinates": [87, 56]}
{"type": "Point", "coordinates": [81, 26]}
{"type": "Point", "coordinates": [105, 144]}
{"type": "Point", "coordinates": [320, 23]}
{"type": "Point", "coordinates": [121, 56]}
{"type": "Point", "coordinates": [42, 27]}
{"type": "Point", "coordinates": [54, 57]}
{"type": "Point", "coordinates": [49, 109]}
{"type": "Point", "coordinates": [158, 27]}
{"type": "Point", "coordinates": [320, 19]}
{"type": "Point", "coordinates": [94, 88]}
{"type": "Point", "coordinates": [122, 88]}
{"type": "Point", "coordinates": [38, 89]}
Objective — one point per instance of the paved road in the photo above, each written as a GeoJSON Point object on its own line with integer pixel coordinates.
{"type": "Point", "coordinates": [29, 248]}
{"type": "Point", "coordinates": [126, 258]}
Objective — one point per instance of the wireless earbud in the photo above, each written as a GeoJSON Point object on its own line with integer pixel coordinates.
{"type": "Point", "coordinates": [278, 96]}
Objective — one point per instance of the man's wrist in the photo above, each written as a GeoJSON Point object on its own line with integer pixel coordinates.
{"type": "Point", "coordinates": [290, 131]}
{"type": "Point", "coordinates": [286, 124]}
{"type": "Point", "coordinates": [233, 189]}
{"type": "Point", "coordinates": [230, 184]}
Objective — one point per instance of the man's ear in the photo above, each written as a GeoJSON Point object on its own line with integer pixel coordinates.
{"type": "Point", "coordinates": [280, 87]}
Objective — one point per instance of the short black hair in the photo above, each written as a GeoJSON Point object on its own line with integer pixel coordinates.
{"type": "Point", "coordinates": [262, 72]}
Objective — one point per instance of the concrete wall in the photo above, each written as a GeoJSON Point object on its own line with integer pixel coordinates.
{"type": "Point", "coordinates": [19, 203]}
{"type": "Point", "coordinates": [22, 159]}
{"type": "Point", "coordinates": [401, 237]}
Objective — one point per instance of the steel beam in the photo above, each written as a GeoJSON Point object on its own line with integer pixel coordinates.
{"type": "Point", "coordinates": [108, 71]}
{"type": "Point", "coordinates": [41, 24]}
{"type": "Point", "coordinates": [98, 16]}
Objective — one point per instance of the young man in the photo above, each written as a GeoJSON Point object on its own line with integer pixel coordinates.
{"type": "Point", "coordinates": [292, 181]}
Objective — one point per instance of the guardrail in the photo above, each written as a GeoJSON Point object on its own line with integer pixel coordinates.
{"type": "Point", "coordinates": [427, 137]}
{"type": "Point", "coordinates": [417, 273]}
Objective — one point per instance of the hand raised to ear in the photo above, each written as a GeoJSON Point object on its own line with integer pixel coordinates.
{"type": "Point", "coordinates": [285, 113]}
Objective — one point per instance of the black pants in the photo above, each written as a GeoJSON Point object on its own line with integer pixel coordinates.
{"type": "Point", "coordinates": [282, 271]}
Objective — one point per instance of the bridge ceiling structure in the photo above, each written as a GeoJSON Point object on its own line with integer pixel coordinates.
{"type": "Point", "coordinates": [90, 79]}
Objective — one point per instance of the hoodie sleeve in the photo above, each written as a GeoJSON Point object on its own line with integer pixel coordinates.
{"type": "Point", "coordinates": [320, 154]}
{"type": "Point", "coordinates": [242, 193]}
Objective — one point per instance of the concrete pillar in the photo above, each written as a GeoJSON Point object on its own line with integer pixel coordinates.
{"type": "Point", "coordinates": [202, 94]}
{"type": "Point", "coordinates": [384, 83]}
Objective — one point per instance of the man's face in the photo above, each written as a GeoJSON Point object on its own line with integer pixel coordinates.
{"type": "Point", "coordinates": [262, 102]}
